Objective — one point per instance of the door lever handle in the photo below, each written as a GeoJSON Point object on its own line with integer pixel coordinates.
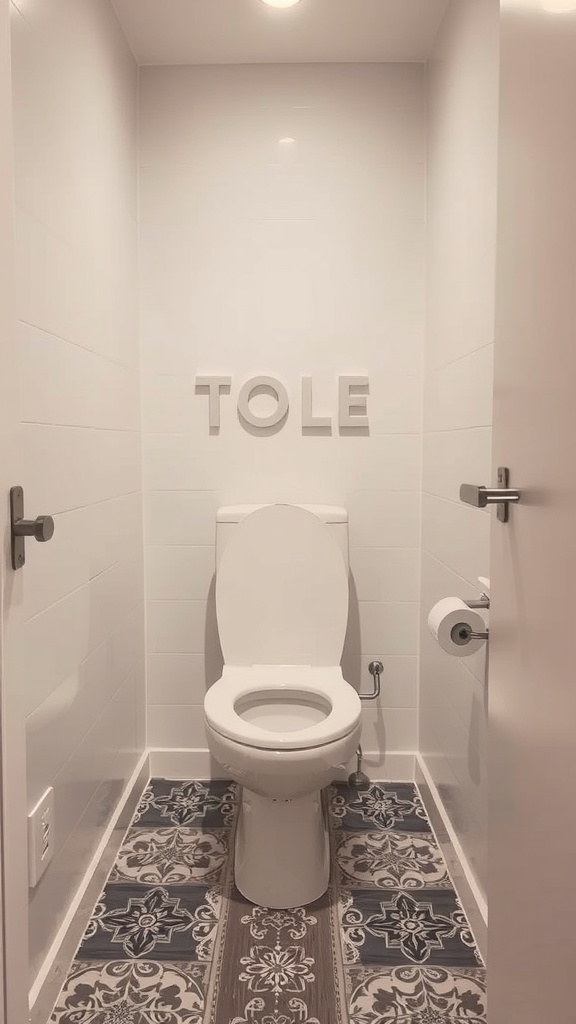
{"type": "Point", "coordinates": [503, 496]}
{"type": "Point", "coordinates": [42, 528]}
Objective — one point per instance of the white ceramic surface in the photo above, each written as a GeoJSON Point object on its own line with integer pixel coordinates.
{"type": "Point", "coordinates": [282, 591]}
{"type": "Point", "coordinates": [75, 633]}
{"type": "Point", "coordinates": [284, 729]}
{"type": "Point", "coordinates": [282, 854]}
{"type": "Point", "coordinates": [461, 264]}
{"type": "Point", "coordinates": [283, 774]}
{"type": "Point", "coordinates": [299, 706]}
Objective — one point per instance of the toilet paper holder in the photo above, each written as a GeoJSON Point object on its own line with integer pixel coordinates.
{"type": "Point", "coordinates": [480, 602]}
{"type": "Point", "coordinates": [484, 600]}
{"type": "Point", "coordinates": [462, 633]}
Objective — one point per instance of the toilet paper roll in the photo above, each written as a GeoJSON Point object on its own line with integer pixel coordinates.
{"type": "Point", "coordinates": [449, 613]}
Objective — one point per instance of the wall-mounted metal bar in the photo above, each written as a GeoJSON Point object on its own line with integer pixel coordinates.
{"type": "Point", "coordinates": [375, 669]}
{"type": "Point", "coordinates": [481, 602]}
{"type": "Point", "coordinates": [462, 634]}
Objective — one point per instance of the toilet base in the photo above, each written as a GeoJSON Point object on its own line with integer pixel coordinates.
{"type": "Point", "coordinates": [282, 856]}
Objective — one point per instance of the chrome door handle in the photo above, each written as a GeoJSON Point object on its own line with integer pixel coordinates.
{"type": "Point", "coordinates": [42, 528]}
{"type": "Point", "coordinates": [503, 496]}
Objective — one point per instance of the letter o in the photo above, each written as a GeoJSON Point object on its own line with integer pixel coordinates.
{"type": "Point", "coordinates": [267, 384]}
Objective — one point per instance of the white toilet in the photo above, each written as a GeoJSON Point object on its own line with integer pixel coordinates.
{"type": "Point", "coordinates": [282, 720]}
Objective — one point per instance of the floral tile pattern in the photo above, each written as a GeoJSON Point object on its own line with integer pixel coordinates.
{"type": "Point", "coordinates": [428, 926]}
{"type": "Point", "coordinates": [274, 966]}
{"type": "Point", "coordinates": [383, 806]}
{"type": "Point", "coordinates": [199, 804]}
{"type": "Point", "coordinates": [172, 941]}
{"type": "Point", "coordinates": [134, 921]}
{"type": "Point", "coordinates": [146, 992]}
{"type": "Point", "coordinates": [172, 856]}
{"type": "Point", "coordinates": [147, 954]}
{"type": "Point", "coordinates": [414, 995]}
{"type": "Point", "coordinates": [390, 860]}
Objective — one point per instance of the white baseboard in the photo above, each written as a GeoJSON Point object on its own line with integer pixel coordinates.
{"type": "Point", "coordinates": [388, 766]}
{"type": "Point", "coordinates": [424, 778]}
{"type": "Point", "coordinates": [393, 766]}
{"type": "Point", "coordinates": [185, 763]}
{"type": "Point", "coordinates": [120, 819]}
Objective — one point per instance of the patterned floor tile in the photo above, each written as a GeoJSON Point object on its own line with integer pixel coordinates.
{"type": "Point", "coordinates": [172, 941]}
{"type": "Point", "coordinates": [390, 860]}
{"type": "Point", "coordinates": [412, 995]}
{"type": "Point", "coordinates": [133, 922]}
{"type": "Point", "coordinates": [120, 992]}
{"type": "Point", "coordinates": [197, 804]}
{"type": "Point", "coordinates": [278, 966]}
{"type": "Point", "coordinates": [427, 926]}
{"type": "Point", "coordinates": [172, 856]}
{"type": "Point", "coordinates": [382, 807]}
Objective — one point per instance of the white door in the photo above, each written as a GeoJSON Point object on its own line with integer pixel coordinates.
{"type": "Point", "coordinates": [14, 882]}
{"type": "Point", "coordinates": [532, 892]}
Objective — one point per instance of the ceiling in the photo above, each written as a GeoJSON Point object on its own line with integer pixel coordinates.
{"type": "Point", "coordinates": [249, 32]}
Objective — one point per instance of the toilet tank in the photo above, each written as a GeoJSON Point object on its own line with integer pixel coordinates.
{"type": "Point", "coordinates": [230, 516]}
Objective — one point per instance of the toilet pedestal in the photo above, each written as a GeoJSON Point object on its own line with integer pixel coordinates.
{"type": "Point", "coordinates": [282, 851]}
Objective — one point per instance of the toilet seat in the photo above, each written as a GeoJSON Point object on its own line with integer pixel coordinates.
{"type": "Point", "coordinates": [335, 706]}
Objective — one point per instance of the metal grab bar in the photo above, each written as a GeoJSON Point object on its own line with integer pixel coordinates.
{"type": "Point", "coordinates": [375, 669]}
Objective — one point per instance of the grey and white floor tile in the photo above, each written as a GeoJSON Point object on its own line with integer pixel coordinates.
{"type": "Point", "coordinates": [171, 939]}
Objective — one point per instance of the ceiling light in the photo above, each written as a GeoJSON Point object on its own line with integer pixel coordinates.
{"type": "Point", "coordinates": [281, 3]}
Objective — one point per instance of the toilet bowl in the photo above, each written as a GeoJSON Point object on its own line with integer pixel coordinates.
{"type": "Point", "coordinates": [282, 721]}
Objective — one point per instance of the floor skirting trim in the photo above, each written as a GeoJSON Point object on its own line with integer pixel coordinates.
{"type": "Point", "coordinates": [51, 976]}
{"type": "Point", "coordinates": [463, 877]}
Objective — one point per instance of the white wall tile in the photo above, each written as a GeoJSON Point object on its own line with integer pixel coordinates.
{"type": "Point", "coordinates": [75, 637]}
{"type": "Point", "coordinates": [457, 535]}
{"type": "Point", "coordinates": [289, 261]}
{"type": "Point", "coordinates": [113, 594]}
{"type": "Point", "coordinates": [383, 518]}
{"type": "Point", "coordinates": [181, 627]}
{"type": "Point", "coordinates": [179, 573]}
{"type": "Point", "coordinates": [180, 517]}
{"type": "Point", "coordinates": [399, 682]}
{"type": "Point", "coordinates": [55, 570]}
{"type": "Point", "coordinates": [458, 388]}
{"type": "Point", "coordinates": [386, 574]}
{"type": "Point", "coordinates": [460, 394]}
{"type": "Point", "coordinates": [178, 678]}
{"type": "Point", "coordinates": [374, 626]}
{"type": "Point", "coordinates": [62, 383]}
{"type": "Point", "coordinates": [176, 726]}
{"type": "Point", "coordinates": [391, 729]}
{"type": "Point", "coordinates": [47, 649]}
{"type": "Point", "coordinates": [69, 467]}
{"type": "Point", "coordinates": [454, 457]}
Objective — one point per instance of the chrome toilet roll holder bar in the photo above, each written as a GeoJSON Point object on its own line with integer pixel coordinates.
{"type": "Point", "coordinates": [462, 633]}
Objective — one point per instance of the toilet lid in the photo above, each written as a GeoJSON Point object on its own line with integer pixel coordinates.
{"type": "Point", "coordinates": [282, 591]}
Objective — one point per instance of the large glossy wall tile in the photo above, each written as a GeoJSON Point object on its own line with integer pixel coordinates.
{"type": "Point", "coordinates": [76, 634]}
{"type": "Point", "coordinates": [282, 232]}
{"type": "Point", "coordinates": [458, 388]}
